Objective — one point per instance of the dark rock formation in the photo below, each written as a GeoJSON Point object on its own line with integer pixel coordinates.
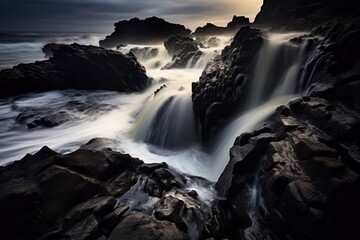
{"type": "Point", "coordinates": [224, 83]}
{"type": "Point", "coordinates": [305, 14]}
{"type": "Point", "coordinates": [297, 176]}
{"type": "Point", "coordinates": [332, 64]}
{"type": "Point", "coordinates": [75, 67]}
{"type": "Point", "coordinates": [333, 71]}
{"type": "Point", "coordinates": [88, 194]}
{"type": "Point", "coordinates": [141, 226]}
{"type": "Point", "coordinates": [50, 48]}
{"type": "Point", "coordinates": [304, 163]}
{"type": "Point", "coordinates": [237, 22]}
{"type": "Point", "coordinates": [212, 30]}
{"type": "Point", "coordinates": [148, 31]}
{"type": "Point", "coordinates": [183, 49]}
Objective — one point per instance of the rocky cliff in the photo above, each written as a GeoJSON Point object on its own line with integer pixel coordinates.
{"type": "Point", "coordinates": [305, 14]}
{"type": "Point", "coordinates": [224, 83]}
{"type": "Point", "coordinates": [297, 175]}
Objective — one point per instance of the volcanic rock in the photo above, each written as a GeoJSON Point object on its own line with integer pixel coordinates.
{"type": "Point", "coordinates": [76, 67]}
{"type": "Point", "coordinates": [148, 31]}
{"type": "Point", "coordinates": [183, 50]}
{"type": "Point", "coordinates": [53, 196]}
{"type": "Point", "coordinates": [224, 83]}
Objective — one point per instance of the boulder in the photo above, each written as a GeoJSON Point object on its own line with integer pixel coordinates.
{"type": "Point", "coordinates": [139, 226]}
{"type": "Point", "coordinates": [183, 50]}
{"type": "Point", "coordinates": [151, 30]}
{"type": "Point", "coordinates": [76, 67]}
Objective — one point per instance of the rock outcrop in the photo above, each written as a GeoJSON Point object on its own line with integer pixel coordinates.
{"type": "Point", "coordinates": [75, 67]}
{"type": "Point", "coordinates": [305, 14]}
{"type": "Point", "coordinates": [92, 194]}
{"type": "Point", "coordinates": [332, 65]}
{"type": "Point", "coordinates": [225, 81]}
{"type": "Point", "coordinates": [182, 50]}
{"type": "Point", "coordinates": [148, 31]}
{"type": "Point", "coordinates": [212, 30]}
{"type": "Point", "coordinates": [297, 176]}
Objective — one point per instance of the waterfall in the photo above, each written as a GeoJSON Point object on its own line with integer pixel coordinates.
{"type": "Point", "coordinates": [156, 127]}
{"type": "Point", "coordinates": [244, 122]}
{"type": "Point", "coordinates": [277, 79]}
{"type": "Point", "coordinates": [277, 70]}
{"type": "Point", "coordinates": [167, 121]}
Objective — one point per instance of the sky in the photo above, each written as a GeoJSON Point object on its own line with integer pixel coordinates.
{"type": "Point", "coordinates": [100, 15]}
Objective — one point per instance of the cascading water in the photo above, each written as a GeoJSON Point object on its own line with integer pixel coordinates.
{"type": "Point", "coordinates": [165, 117]}
{"type": "Point", "coordinates": [278, 69]}
{"type": "Point", "coordinates": [154, 127]}
{"type": "Point", "coordinates": [278, 78]}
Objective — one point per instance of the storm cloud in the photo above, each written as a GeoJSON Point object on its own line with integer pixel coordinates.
{"type": "Point", "coordinates": [100, 15]}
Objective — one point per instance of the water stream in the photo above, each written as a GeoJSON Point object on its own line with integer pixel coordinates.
{"type": "Point", "coordinates": [156, 127]}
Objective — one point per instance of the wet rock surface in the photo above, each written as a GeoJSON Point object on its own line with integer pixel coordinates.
{"type": "Point", "coordinates": [185, 51]}
{"type": "Point", "coordinates": [148, 31]}
{"type": "Point", "coordinates": [212, 30]}
{"type": "Point", "coordinates": [296, 174]}
{"type": "Point", "coordinates": [91, 194]}
{"type": "Point", "coordinates": [75, 67]}
{"type": "Point", "coordinates": [331, 72]}
{"type": "Point", "coordinates": [224, 83]}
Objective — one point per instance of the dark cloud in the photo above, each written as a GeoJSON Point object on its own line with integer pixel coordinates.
{"type": "Point", "coordinates": [99, 15]}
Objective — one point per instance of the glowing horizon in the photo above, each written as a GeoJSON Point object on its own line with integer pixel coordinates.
{"type": "Point", "coordinates": [100, 15]}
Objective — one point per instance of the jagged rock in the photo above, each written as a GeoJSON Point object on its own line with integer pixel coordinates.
{"type": "Point", "coordinates": [183, 50]}
{"type": "Point", "coordinates": [224, 83]}
{"type": "Point", "coordinates": [82, 222]}
{"type": "Point", "coordinates": [170, 209]}
{"type": "Point", "coordinates": [53, 196]}
{"type": "Point", "coordinates": [212, 30]}
{"type": "Point", "coordinates": [306, 178]}
{"type": "Point", "coordinates": [237, 22]}
{"type": "Point", "coordinates": [168, 179]}
{"type": "Point", "coordinates": [50, 48]}
{"type": "Point", "coordinates": [122, 184]}
{"type": "Point", "coordinates": [100, 144]}
{"type": "Point", "coordinates": [148, 31]}
{"type": "Point", "coordinates": [139, 226]}
{"type": "Point", "coordinates": [209, 30]}
{"type": "Point", "coordinates": [295, 14]}
{"type": "Point", "coordinates": [76, 67]}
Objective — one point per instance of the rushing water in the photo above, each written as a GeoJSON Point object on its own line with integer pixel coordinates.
{"type": "Point", "coordinates": [156, 127]}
